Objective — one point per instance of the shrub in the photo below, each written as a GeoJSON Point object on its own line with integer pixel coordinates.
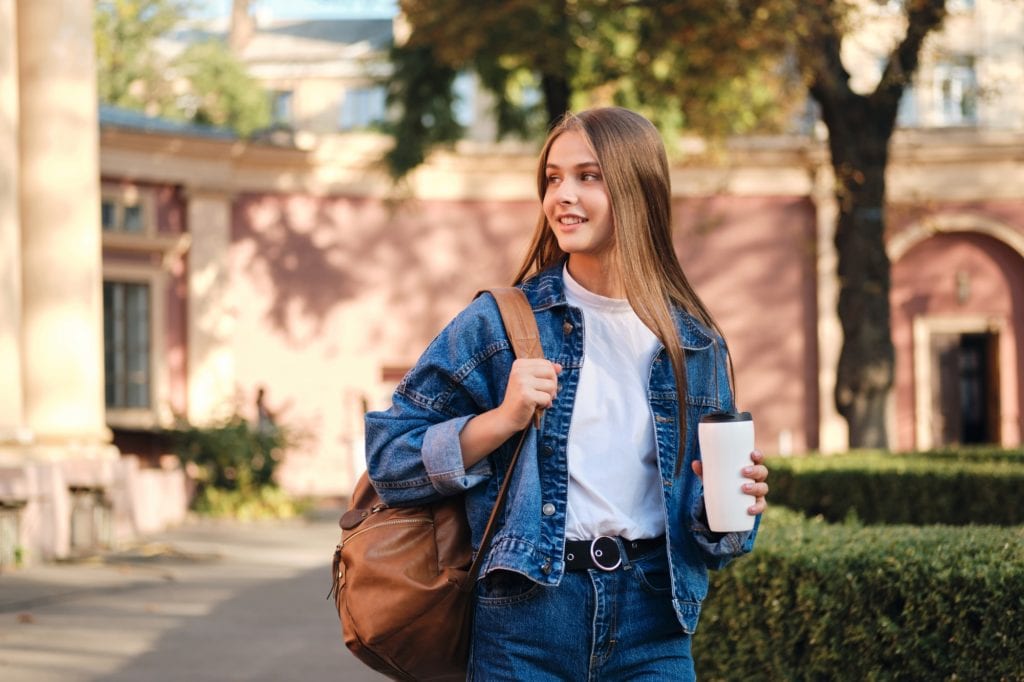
{"type": "Point", "coordinates": [845, 602]}
{"type": "Point", "coordinates": [234, 465]}
{"type": "Point", "coordinates": [266, 502]}
{"type": "Point", "coordinates": [923, 488]}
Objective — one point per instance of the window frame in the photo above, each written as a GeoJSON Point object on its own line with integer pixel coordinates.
{"type": "Point", "coordinates": [158, 412]}
{"type": "Point", "coordinates": [953, 70]}
{"type": "Point", "coordinates": [162, 250]}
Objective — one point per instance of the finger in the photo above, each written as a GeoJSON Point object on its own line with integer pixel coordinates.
{"type": "Point", "coordinates": [698, 468]}
{"type": "Point", "coordinates": [536, 367]}
{"type": "Point", "coordinates": [758, 490]}
{"type": "Point", "coordinates": [757, 508]}
{"type": "Point", "coordinates": [549, 386]}
{"type": "Point", "coordinates": [756, 456]}
{"type": "Point", "coordinates": [542, 399]}
{"type": "Point", "coordinates": [757, 473]}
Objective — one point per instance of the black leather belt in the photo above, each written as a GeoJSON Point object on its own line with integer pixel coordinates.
{"type": "Point", "coordinates": [605, 553]}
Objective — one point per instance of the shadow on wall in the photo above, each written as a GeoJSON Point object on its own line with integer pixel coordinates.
{"type": "Point", "coordinates": [421, 260]}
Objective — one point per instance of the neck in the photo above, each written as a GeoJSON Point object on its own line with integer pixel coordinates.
{"type": "Point", "coordinates": [597, 275]}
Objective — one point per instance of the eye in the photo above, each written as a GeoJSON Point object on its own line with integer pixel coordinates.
{"type": "Point", "coordinates": [552, 179]}
{"type": "Point", "coordinates": [591, 176]}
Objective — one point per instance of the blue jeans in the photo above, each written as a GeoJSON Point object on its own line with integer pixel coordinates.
{"type": "Point", "coordinates": [596, 625]}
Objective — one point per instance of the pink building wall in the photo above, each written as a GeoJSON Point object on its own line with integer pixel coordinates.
{"type": "Point", "coordinates": [325, 281]}
{"type": "Point", "coordinates": [924, 285]}
{"type": "Point", "coordinates": [333, 297]}
{"type": "Point", "coordinates": [751, 259]}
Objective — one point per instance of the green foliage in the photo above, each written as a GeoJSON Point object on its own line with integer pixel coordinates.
{"type": "Point", "coordinates": [706, 66]}
{"type": "Point", "coordinates": [421, 88]}
{"type": "Point", "coordinates": [221, 91]}
{"type": "Point", "coordinates": [234, 464]}
{"type": "Point", "coordinates": [951, 487]}
{"type": "Point", "coordinates": [265, 502]}
{"type": "Point", "coordinates": [819, 601]}
{"type": "Point", "coordinates": [205, 84]}
{"type": "Point", "coordinates": [130, 73]}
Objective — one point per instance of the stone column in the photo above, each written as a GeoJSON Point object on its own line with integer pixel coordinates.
{"type": "Point", "coordinates": [833, 434]}
{"type": "Point", "coordinates": [11, 409]}
{"type": "Point", "coordinates": [211, 315]}
{"type": "Point", "coordinates": [62, 313]}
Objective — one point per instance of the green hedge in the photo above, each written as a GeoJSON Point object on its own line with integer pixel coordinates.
{"type": "Point", "coordinates": [971, 453]}
{"type": "Point", "coordinates": [845, 602]}
{"type": "Point", "coordinates": [927, 488]}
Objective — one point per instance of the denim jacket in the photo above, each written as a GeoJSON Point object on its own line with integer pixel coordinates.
{"type": "Point", "coordinates": [413, 452]}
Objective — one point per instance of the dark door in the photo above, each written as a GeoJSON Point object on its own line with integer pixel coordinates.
{"type": "Point", "coordinates": [966, 399]}
{"type": "Point", "coordinates": [979, 390]}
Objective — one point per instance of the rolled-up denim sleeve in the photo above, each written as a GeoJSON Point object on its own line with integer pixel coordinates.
{"type": "Point", "coordinates": [720, 548]}
{"type": "Point", "coordinates": [413, 453]}
{"type": "Point", "coordinates": [442, 459]}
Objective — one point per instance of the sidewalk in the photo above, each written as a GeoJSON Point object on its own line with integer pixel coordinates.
{"type": "Point", "coordinates": [210, 600]}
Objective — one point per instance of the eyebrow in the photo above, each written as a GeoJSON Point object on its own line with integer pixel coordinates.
{"type": "Point", "coordinates": [585, 164]}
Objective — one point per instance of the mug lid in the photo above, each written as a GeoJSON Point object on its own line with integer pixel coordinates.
{"type": "Point", "coordinates": [720, 417]}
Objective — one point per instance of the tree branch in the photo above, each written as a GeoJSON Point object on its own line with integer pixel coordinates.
{"type": "Point", "coordinates": [923, 16]}
{"type": "Point", "coordinates": [830, 81]}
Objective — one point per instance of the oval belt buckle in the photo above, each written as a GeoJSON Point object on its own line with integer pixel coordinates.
{"type": "Point", "coordinates": [607, 547]}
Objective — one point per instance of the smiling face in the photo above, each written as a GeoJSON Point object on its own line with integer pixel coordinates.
{"type": "Point", "coordinates": [576, 202]}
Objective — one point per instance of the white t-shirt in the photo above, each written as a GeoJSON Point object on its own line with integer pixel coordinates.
{"type": "Point", "coordinates": [614, 483]}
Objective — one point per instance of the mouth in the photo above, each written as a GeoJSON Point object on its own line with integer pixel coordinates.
{"type": "Point", "coordinates": [571, 220]}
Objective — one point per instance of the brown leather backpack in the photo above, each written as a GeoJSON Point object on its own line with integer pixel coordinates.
{"type": "Point", "coordinates": [403, 576]}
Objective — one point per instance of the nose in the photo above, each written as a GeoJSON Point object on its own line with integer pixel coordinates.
{"type": "Point", "coordinates": [565, 193]}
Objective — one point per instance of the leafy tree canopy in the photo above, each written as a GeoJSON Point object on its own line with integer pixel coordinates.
{"type": "Point", "coordinates": [203, 84]}
{"type": "Point", "coordinates": [707, 66]}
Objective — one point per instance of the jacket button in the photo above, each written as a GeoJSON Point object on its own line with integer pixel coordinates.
{"type": "Point", "coordinates": [546, 568]}
{"type": "Point", "coordinates": [567, 328]}
{"type": "Point", "coordinates": [548, 509]}
{"type": "Point", "coordinates": [547, 450]}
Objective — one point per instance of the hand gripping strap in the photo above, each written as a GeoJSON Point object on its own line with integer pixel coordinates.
{"type": "Point", "coordinates": [521, 328]}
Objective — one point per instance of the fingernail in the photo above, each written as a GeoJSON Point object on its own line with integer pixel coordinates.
{"type": "Point", "coordinates": [747, 470]}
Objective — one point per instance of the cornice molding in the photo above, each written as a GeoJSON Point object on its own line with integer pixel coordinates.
{"type": "Point", "coordinates": [925, 164]}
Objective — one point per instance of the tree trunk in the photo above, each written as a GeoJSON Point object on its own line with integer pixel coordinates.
{"type": "Point", "coordinates": [860, 127]}
{"type": "Point", "coordinates": [865, 372]}
{"type": "Point", "coordinates": [859, 136]}
{"type": "Point", "coordinates": [556, 97]}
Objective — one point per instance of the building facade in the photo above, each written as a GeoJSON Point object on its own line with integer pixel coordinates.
{"type": "Point", "coordinates": [152, 271]}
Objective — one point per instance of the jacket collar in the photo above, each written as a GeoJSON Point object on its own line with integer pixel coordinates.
{"type": "Point", "coordinates": [546, 290]}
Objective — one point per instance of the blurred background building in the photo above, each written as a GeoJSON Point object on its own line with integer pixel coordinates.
{"type": "Point", "coordinates": [153, 269]}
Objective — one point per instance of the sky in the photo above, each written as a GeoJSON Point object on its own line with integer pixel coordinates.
{"type": "Point", "coordinates": [305, 9]}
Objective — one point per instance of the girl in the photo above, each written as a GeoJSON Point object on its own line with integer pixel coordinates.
{"type": "Point", "coordinates": [600, 564]}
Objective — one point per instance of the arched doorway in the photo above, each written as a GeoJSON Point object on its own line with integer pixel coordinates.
{"type": "Point", "coordinates": [958, 329]}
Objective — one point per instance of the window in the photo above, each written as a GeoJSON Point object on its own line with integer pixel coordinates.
{"type": "Point", "coordinates": [906, 115]}
{"type": "Point", "coordinates": [281, 106]}
{"type": "Point", "coordinates": [956, 92]}
{"type": "Point", "coordinates": [463, 108]}
{"type": "Point", "coordinates": [123, 212]}
{"type": "Point", "coordinates": [126, 344]}
{"type": "Point", "coordinates": [362, 107]}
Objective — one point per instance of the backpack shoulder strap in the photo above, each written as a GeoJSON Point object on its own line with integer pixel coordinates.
{"type": "Point", "coordinates": [521, 327]}
{"type": "Point", "coordinates": [520, 324]}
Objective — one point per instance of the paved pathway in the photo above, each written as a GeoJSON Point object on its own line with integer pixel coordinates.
{"type": "Point", "coordinates": [206, 601]}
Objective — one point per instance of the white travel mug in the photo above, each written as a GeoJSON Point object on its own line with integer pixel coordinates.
{"type": "Point", "coordinates": [726, 441]}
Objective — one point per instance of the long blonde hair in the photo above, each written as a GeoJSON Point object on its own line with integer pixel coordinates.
{"type": "Point", "coordinates": [632, 157]}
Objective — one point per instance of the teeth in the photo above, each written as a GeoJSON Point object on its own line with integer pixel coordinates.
{"type": "Point", "coordinates": [571, 220]}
